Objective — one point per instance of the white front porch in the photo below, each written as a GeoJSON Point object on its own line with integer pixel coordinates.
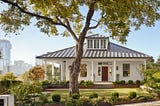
{"type": "Point", "coordinates": [99, 70]}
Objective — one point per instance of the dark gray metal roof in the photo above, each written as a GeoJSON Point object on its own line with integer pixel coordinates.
{"type": "Point", "coordinates": [113, 51]}
{"type": "Point", "coordinates": [96, 36]}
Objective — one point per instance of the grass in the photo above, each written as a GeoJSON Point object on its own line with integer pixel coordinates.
{"type": "Point", "coordinates": [123, 92]}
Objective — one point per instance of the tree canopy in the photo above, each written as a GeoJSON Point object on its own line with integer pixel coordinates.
{"type": "Point", "coordinates": [77, 17]}
{"type": "Point", "coordinates": [114, 16]}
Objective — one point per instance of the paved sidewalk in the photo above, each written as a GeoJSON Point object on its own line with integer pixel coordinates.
{"type": "Point", "coordinates": [154, 103]}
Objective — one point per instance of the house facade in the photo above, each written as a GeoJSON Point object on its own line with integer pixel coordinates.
{"type": "Point", "coordinates": [102, 61]}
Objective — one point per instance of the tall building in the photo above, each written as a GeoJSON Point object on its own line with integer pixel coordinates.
{"type": "Point", "coordinates": [5, 55]}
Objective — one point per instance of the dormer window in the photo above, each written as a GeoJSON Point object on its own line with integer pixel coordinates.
{"type": "Point", "coordinates": [96, 44]}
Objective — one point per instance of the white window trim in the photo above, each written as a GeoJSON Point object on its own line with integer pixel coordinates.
{"type": "Point", "coordinates": [97, 45]}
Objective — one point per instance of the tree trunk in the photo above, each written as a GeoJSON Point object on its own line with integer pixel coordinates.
{"type": "Point", "coordinates": [75, 68]}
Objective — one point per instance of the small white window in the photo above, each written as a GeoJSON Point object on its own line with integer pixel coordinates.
{"type": "Point", "coordinates": [103, 43]}
{"type": "Point", "coordinates": [96, 43]}
{"type": "Point", "coordinates": [90, 43]}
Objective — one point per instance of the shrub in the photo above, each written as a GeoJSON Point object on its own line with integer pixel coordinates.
{"type": "Point", "coordinates": [67, 82]}
{"type": "Point", "coordinates": [138, 82]}
{"type": "Point", "coordinates": [116, 82]}
{"type": "Point", "coordinates": [46, 82]}
{"type": "Point", "coordinates": [86, 83]}
{"type": "Point", "coordinates": [130, 81]}
{"type": "Point", "coordinates": [81, 82]}
{"type": "Point", "coordinates": [89, 82]}
{"type": "Point", "coordinates": [56, 98]}
{"type": "Point", "coordinates": [75, 96]}
{"type": "Point", "coordinates": [115, 94]}
{"type": "Point", "coordinates": [132, 95]}
{"type": "Point", "coordinates": [142, 98]}
{"type": "Point", "coordinates": [93, 95]}
{"type": "Point", "coordinates": [44, 97]}
{"type": "Point", "coordinates": [122, 82]}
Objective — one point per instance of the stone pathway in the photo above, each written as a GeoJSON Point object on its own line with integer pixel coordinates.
{"type": "Point", "coordinates": [155, 103]}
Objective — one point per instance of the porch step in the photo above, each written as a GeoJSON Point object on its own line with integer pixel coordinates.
{"type": "Point", "coordinates": [103, 86]}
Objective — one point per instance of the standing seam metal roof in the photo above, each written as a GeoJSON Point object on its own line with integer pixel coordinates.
{"type": "Point", "coordinates": [113, 51]}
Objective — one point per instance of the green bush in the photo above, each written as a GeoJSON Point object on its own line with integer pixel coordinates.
{"type": "Point", "coordinates": [89, 82]}
{"type": "Point", "coordinates": [115, 94]}
{"type": "Point", "coordinates": [142, 98]}
{"type": "Point", "coordinates": [86, 83]}
{"type": "Point", "coordinates": [56, 98]}
{"type": "Point", "coordinates": [93, 95]}
{"type": "Point", "coordinates": [75, 96]}
{"type": "Point", "coordinates": [132, 95]}
{"type": "Point", "coordinates": [81, 82]}
{"type": "Point", "coordinates": [44, 97]}
{"type": "Point", "coordinates": [130, 81]}
{"type": "Point", "coordinates": [46, 82]}
{"type": "Point", "coordinates": [138, 82]}
{"type": "Point", "coordinates": [122, 82]}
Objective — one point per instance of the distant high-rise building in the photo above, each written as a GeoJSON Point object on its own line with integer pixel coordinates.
{"type": "Point", "coordinates": [5, 55]}
{"type": "Point", "coordinates": [19, 67]}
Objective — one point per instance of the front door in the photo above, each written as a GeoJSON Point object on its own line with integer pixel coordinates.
{"type": "Point", "coordinates": [105, 73]}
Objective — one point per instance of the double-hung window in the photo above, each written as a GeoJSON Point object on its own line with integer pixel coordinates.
{"type": "Point", "coordinates": [126, 70]}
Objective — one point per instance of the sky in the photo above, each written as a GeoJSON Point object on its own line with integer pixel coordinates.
{"type": "Point", "coordinates": [31, 42]}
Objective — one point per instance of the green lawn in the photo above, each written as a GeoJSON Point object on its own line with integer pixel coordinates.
{"type": "Point", "coordinates": [102, 92]}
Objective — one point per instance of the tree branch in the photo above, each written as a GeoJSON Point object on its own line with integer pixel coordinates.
{"type": "Point", "coordinates": [98, 22]}
{"type": "Point", "coordinates": [93, 27]}
{"type": "Point", "coordinates": [88, 18]}
{"type": "Point", "coordinates": [32, 14]}
{"type": "Point", "coordinates": [70, 30]}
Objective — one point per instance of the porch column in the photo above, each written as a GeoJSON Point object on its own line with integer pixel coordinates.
{"type": "Point", "coordinates": [45, 70]}
{"type": "Point", "coordinates": [114, 70]}
{"type": "Point", "coordinates": [63, 70]}
{"type": "Point", "coordinates": [145, 64]}
{"type": "Point", "coordinates": [92, 75]}
{"type": "Point", "coordinates": [53, 70]}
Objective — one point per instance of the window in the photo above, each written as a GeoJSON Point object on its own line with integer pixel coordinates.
{"type": "Point", "coordinates": [96, 43]}
{"type": "Point", "coordinates": [99, 71]}
{"type": "Point", "coordinates": [83, 70]}
{"type": "Point", "coordinates": [126, 70]}
{"type": "Point", "coordinates": [103, 43]}
{"type": "Point", "coordinates": [90, 43]}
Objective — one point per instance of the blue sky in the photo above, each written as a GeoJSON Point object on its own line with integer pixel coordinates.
{"type": "Point", "coordinates": [31, 42]}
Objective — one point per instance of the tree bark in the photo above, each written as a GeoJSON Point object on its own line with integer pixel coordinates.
{"type": "Point", "coordinates": [75, 68]}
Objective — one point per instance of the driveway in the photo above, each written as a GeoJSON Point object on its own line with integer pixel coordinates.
{"type": "Point", "coordinates": [155, 103]}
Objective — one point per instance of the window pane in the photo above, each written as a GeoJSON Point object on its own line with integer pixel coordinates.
{"type": "Point", "coordinates": [99, 71]}
{"type": "Point", "coordinates": [126, 70]}
{"type": "Point", "coordinates": [95, 44]}
{"type": "Point", "coordinates": [83, 70]}
{"type": "Point", "coordinates": [104, 43]}
{"type": "Point", "coordinates": [89, 45]}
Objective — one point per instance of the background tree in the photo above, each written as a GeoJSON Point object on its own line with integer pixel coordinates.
{"type": "Point", "coordinates": [115, 16]}
{"type": "Point", "coordinates": [36, 73]}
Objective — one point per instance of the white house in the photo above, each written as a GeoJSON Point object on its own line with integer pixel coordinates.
{"type": "Point", "coordinates": [102, 61]}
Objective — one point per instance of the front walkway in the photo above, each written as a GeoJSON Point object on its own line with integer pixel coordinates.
{"type": "Point", "coordinates": [154, 103]}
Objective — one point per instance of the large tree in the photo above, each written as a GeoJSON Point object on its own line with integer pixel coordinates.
{"type": "Point", "coordinates": [115, 16]}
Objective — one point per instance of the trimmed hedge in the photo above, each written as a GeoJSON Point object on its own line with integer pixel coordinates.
{"type": "Point", "coordinates": [56, 98]}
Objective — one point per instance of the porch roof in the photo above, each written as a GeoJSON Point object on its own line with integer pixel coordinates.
{"type": "Point", "coordinates": [113, 51]}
